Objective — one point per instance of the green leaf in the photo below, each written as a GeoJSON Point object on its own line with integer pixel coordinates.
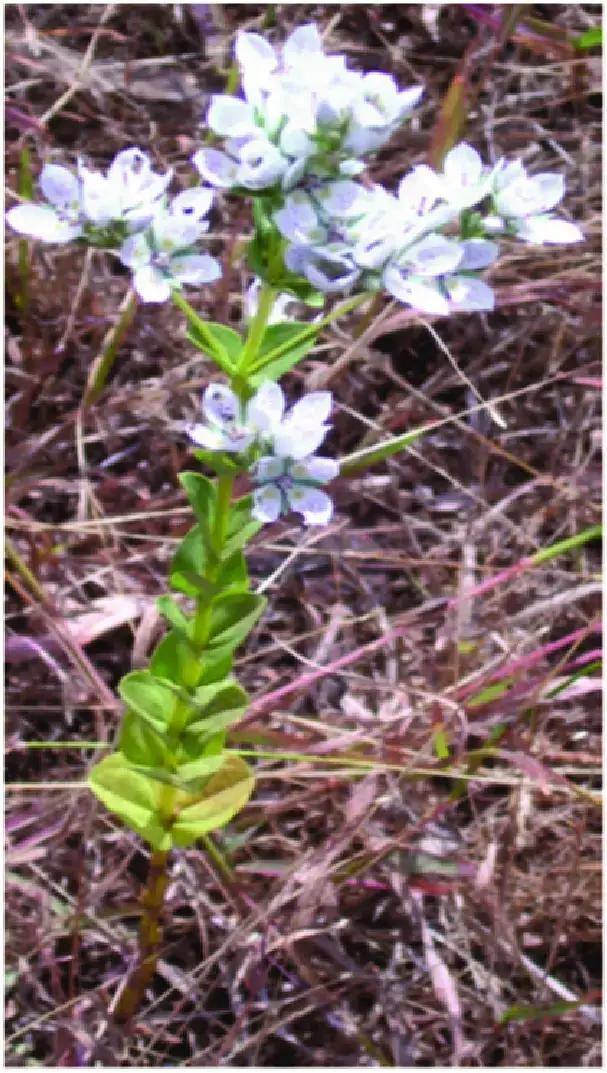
{"type": "Point", "coordinates": [131, 796]}
{"type": "Point", "coordinates": [141, 743]}
{"type": "Point", "coordinates": [232, 617]}
{"type": "Point", "coordinates": [223, 464]}
{"type": "Point", "coordinates": [190, 563]}
{"type": "Point", "coordinates": [216, 665]}
{"type": "Point", "coordinates": [170, 610]}
{"type": "Point", "coordinates": [368, 456]}
{"type": "Point", "coordinates": [194, 773]}
{"type": "Point", "coordinates": [150, 697]}
{"type": "Point", "coordinates": [232, 573]}
{"type": "Point", "coordinates": [282, 346]}
{"type": "Point", "coordinates": [172, 658]}
{"type": "Point", "coordinates": [225, 794]}
{"type": "Point", "coordinates": [534, 1013]}
{"type": "Point", "coordinates": [203, 497]}
{"type": "Point", "coordinates": [241, 526]}
{"type": "Point", "coordinates": [441, 745]}
{"type": "Point", "coordinates": [220, 698]}
{"type": "Point", "coordinates": [589, 39]}
{"type": "Point", "coordinates": [191, 777]}
{"type": "Point", "coordinates": [219, 342]}
{"type": "Point", "coordinates": [491, 692]}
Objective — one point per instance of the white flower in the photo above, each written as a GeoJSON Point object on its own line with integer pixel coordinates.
{"type": "Point", "coordinates": [162, 257]}
{"type": "Point", "coordinates": [284, 485]}
{"type": "Point", "coordinates": [224, 431]}
{"type": "Point", "coordinates": [329, 268]}
{"type": "Point", "coordinates": [131, 191]}
{"type": "Point", "coordinates": [523, 202]}
{"type": "Point", "coordinates": [61, 220]}
{"type": "Point", "coordinates": [131, 194]}
{"type": "Point", "coordinates": [304, 427]}
{"type": "Point", "coordinates": [233, 427]}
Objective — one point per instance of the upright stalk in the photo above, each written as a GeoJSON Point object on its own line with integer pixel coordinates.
{"type": "Point", "coordinates": [152, 899]}
{"type": "Point", "coordinates": [150, 936]}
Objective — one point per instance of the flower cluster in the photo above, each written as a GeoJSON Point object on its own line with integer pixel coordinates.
{"type": "Point", "coordinates": [287, 473]}
{"type": "Point", "coordinates": [303, 114]}
{"type": "Point", "coordinates": [126, 211]}
{"type": "Point", "coordinates": [88, 203]}
{"type": "Point", "coordinates": [295, 143]}
{"type": "Point", "coordinates": [425, 245]}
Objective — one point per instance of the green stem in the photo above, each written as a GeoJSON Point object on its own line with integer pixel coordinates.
{"type": "Point", "coordinates": [150, 932]}
{"type": "Point", "coordinates": [103, 363]}
{"type": "Point", "coordinates": [308, 333]}
{"type": "Point", "coordinates": [257, 328]}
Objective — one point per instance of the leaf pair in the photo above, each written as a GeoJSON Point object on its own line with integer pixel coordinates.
{"type": "Point", "coordinates": [136, 798]}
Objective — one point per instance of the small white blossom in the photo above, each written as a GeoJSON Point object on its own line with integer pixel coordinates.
{"type": "Point", "coordinates": [130, 195]}
{"type": "Point", "coordinates": [522, 203]}
{"type": "Point", "coordinates": [131, 191]}
{"type": "Point", "coordinates": [284, 484]}
{"type": "Point", "coordinates": [233, 427]}
{"type": "Point", "coordinates": [224, 430]}
{"type": "Point", "coordinates": [304, 427]}
{"type": "Point", "coordinates": [162, 257]}
{"type": "Point", "coordinates": [330, 268]}
{"type": "Point", "coordinates": [61, 220]}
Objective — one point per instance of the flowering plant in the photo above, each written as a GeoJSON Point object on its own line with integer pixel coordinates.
{"type": "Point", "coordinates": [295, 147]}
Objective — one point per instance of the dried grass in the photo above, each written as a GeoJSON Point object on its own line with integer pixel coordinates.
{"type": "Point", "coordinates": [390, 914]}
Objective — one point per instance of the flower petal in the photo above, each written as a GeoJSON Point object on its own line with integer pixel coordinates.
{"type": "Point", "coordinates": [209, 438]}
{"type": "Point", "coordinates": [434, 256]}
{"type": "Point", "coordinates": [298, 220]}
{"type": "Point", "coordinates": [343, 198]}
{"type": "Point", "coordinates": [220, 405]}
{"type": "Point", "coordinates": [415, 292]}
{"type": "Point", "coordinates": [135, 252]}
{"type": "Point", "coordinates": [195, 268]}
{"type": "Point", "coordinates": [268, 469]}
{"type": "Point", "coordinates": [312, 409]}
{"type": "Point", "coordinates": [540, 229]}
{"type": "Point", "coordinates": [42, 222]}
{"type": "Point", "coordinates": [463, 166]}
{"type": "Point", "coordinates": [315, 468]}
{"type": "Point", "coordinates": [60, 187]}
{"type": "Point", "coordinates": [252, 50]}
{"type": "Point", "coordinates": [151, 285]}
{"type": "Point", "coordinates": [314, 504]}
{"type": "Point", "coordinates": [193, 204]}
{"type": "Point", "coordinates": [469, 295]}
{"type": "Point", "coordinates": [267, 503]}
{"type": "Point", "coordinates": [231, 115]}
{"type": "Point", "coordinates": [302, 46]}
{"type": "Point", "coordinates": [216, 167]}
{"type": "Point", "coordinates": [478, 253]}
{"type": "Point", "coordinates": [264, 411]}
{"type": "Point", "coordinates": [261, 164]}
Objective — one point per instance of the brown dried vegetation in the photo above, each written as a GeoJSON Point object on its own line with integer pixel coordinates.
{"type": "Point", "coordinates": [390, 913]}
